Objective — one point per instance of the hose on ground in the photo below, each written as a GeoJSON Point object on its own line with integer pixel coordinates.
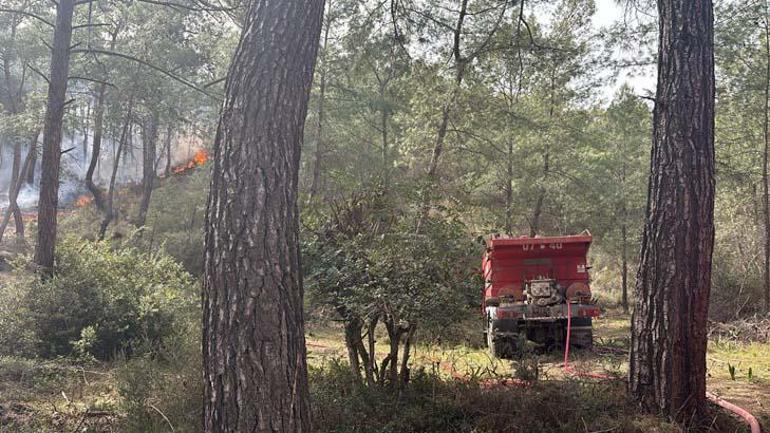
{"type": "Point", "coordinates": [741, 412]}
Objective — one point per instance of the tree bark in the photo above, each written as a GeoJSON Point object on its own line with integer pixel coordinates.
{"type": "Point", "coordinates": [86, 125]}
{"type": "Point", "coordinates": [623, 232]}
{"type": "Point", "coordinates": [667, 371]}
{"type": "Point", "coordinates": [13, 190]}
{"type": "Point", "coordinates": [438, 146]}
{"type": "Point", "coordinates": [765, 162]}
{"type": "Point", "coordinates": [169, 139]}
{"type": "Point", "coordinates": [96, 149]}
{"type": "Point", "coordinates": [109, 208]}
{"type": "Point", "coordinates": [508, 189]}
{"type": "Point", "coordinates": [319, 141]}
{"type": "Point", "coordinates": [14, 106]}
{"type": "Point", "coordinates": [49, 183]}
{"type": "Point", "coordinates": [30, 178]}
{"type": "Point", "coordinates": [149, 150]}
{"type": "Point", "coordinates": [13, 195]}
{"type": "Point", "coordinates": [254, 354]}
{"type": "Point", "coordinates": [624, 264]}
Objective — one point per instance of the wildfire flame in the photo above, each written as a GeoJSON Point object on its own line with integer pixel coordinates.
{"type": "Point", "coordinates": [84, 200]}
{"type": "Point", "coordinates": [200, 158]}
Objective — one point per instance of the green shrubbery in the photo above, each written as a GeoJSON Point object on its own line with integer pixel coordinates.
{"type": "Point", "coordinates": [157, 394]}
{"type": "Point", "coordinates": [101, 301]}
{"type": "Point", "coordinates": [164, 389]}
{"type": "Point", "coordinates": [435, 404]}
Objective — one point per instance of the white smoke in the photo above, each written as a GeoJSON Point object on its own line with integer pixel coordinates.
{"type": "Point", "coordinates": [75, 160]}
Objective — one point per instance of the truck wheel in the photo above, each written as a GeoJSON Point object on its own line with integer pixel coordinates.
{"type": "Point", "coordinates": [494, 347]}
{"type": "Point", "coordinates": [582, 333]}
{"type": "Point", "coordinates": [498, 348]}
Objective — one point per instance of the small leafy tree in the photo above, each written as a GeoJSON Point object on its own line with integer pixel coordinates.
{"type": "Point", "coordinates": [367, 264]}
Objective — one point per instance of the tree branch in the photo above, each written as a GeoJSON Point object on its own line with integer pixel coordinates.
{"type": "Point", "coordinates": [29, 14]}
{"type": "Point", "coordinates": [149, 65]}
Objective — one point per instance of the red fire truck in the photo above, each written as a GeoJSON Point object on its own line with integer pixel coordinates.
{"type": "Point", "coordinates": [531, 284]}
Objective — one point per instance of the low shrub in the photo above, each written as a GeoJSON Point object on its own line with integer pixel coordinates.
{"type": "Point", "coordinates": [341, 404]}
{"type": "Point", "coordinates": [101, 301]}
{"type": "Point", "coordinates": [164, 392]}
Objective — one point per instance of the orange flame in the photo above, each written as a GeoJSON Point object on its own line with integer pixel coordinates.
{"type": "Point", "coordinates": [200, 158]}
{"type": "Point", "coordinates": [84, 200]}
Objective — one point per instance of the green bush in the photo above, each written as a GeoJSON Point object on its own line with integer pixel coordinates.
{"type": "Point", "coordinates": [164, 392]}
{"type": "Point", "coordinates": [342, 404]}
{"type": "Point", "coordinates": [101, 301]}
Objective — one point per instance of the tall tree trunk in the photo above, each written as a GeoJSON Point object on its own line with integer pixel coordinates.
{"type": "Point", "coordinates": [14, 106]}
{"type": "Point", "coordinates": [623, 233]}
{"type": "Point", "coordinates": [109, 212]}
{"type": "Point", "coordinates": [438, 146]}
{"type": "Point", "coordinates": [96, 149]}
{"type": "Point", "coordinates": [319, 140]}
{"type": "Point", "coordinates": [169, 139]}
{"type": "Point", "coordinates": [624, 264]}
{"type": "Point", "coordinates": [30, 178]}
{"type": "Point", "coordinates": [149, 149]}
{"type": "Point", "coordinates": [254, 353]}
{"type": "Point", "coordinates": [765, 162]}
{"type": "Point", "coordinates": [13, 190]}
{"type": "Point", "coordinates": [537, 212]}
{"type": "Point", "coordinates": [534, 224]}
{"type": "Point", "coordinates": [86, 126]}
{"type": "Point", "coordinates": [49, 182]}
{"type": "Point", "coordinates": [386, 166]}
{"type": "Point", "coordinates": [13, 195]}
{"type": "Point", "coordinates": [667, 371]}
{"type": "Point", "coordinates": [508, 188]}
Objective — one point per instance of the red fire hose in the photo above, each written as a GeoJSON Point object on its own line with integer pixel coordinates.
{"type": "Point", "coordinates": [743, 413]}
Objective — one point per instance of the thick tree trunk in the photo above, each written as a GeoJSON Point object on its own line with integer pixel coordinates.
{"type": "Point", "coordinates": [667, 371]}
{"type": "Point", "coordinates": [254, 353]}
{"type": "Point", "coordinates": [149, 150]}
{"type": "Point", "coordinates": [96, 149]}
{"type": "Point", "coordinates": [49, 182]}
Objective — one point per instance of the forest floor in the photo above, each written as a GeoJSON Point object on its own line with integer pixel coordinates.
{"type": "Point", "coordinates": [748, 386]}
{"type": "Point", "coordinates": [62, 396]}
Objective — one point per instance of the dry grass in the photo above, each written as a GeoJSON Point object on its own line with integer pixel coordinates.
{"type": "Point", "coordinates": [46, 397]}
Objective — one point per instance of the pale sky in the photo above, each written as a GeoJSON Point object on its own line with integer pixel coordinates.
{"type": "Point", "coordinates": [609, 12]}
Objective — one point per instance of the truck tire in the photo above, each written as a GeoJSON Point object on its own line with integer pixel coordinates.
{"type": "Point", "coordinates": [582, 336]}
{"type": "Point", "coordinates": [498, 347]}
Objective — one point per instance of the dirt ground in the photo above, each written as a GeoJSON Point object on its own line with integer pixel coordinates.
{"type": "Point", "coordinates": [609, 356]}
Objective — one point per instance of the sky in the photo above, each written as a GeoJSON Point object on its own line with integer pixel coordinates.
{"type": "Point", "coordinates": [609, 12]}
